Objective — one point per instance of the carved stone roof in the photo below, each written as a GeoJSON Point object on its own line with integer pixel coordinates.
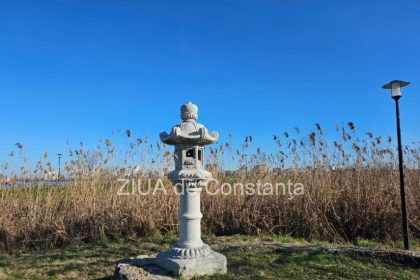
{"type": "Point", "coordinates": [189, 131]}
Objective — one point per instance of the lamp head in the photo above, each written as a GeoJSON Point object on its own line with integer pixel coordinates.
{"type": "Point", "coordinates": [395, 87]}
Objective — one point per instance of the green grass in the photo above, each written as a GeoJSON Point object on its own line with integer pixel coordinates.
{"type": "Point", "coordinates": [414, 244]}
{"type": "Point", "coordinates": [96, 260]}
{"type": "Point", "coordinates": [87, 261]}
{"type": "Point", "coordinates": [287, 239]}
{"type": "Point", "coordinates": [252, 263]}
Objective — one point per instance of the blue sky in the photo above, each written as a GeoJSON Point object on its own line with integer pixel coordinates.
{"type": "Point", "coordinates": [75, 71]}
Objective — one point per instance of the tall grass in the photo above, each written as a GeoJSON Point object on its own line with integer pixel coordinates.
{"type": "Point", "coordinates": [351, 191]}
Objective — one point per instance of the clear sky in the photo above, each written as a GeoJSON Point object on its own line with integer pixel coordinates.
{"type": "Point", "coordinates": [74, 71]}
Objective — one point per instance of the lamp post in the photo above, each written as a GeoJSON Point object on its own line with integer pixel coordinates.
{"type": "Point", "coordinates": [395, 87]}
{"type": "Point", "coordinates": [59, 165]}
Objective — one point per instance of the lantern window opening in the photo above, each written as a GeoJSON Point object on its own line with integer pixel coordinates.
{"type": "Point", "coordinates": [200, 154]}
{"type": "Point", "coordinates": [190, 153]}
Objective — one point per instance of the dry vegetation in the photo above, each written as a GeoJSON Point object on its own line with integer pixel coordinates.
{"type": "Point", "coordinates": [351, 192]}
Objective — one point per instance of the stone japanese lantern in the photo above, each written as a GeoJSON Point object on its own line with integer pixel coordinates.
{"type": "Point", "coordinates": [190, 255]}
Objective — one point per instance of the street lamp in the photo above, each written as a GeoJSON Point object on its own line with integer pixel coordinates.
{"type": "Point", "coordinates": [59, 165]}
{"type": "Point", "coordinates": [395, 87]}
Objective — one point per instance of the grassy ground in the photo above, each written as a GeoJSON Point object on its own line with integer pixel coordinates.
{"type": "Point", "coordinates": [96, 260]}
{"type": "Point", "coordinates": [287, 239]}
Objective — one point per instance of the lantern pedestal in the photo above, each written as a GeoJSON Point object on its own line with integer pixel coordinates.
{"type": "Point", "coordinates": [213, 263]}
{"type": "Point", "coordinates": [190, 255]}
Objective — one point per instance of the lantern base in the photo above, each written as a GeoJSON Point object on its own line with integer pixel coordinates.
{"type": "Point", "coordinates": [210, 264]}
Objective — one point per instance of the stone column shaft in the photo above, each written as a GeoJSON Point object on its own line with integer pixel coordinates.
{"type": "Point", "coordinates": [190, 219]}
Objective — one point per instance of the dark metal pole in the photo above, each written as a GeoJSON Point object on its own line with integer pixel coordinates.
{"type": "Point", "coordinates": [59, 166]}
{"type": "Point", "coordinates": [402, 187]}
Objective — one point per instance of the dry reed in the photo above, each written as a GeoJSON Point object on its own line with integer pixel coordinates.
{"type": "Point", "coordinates": [351, 192]}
